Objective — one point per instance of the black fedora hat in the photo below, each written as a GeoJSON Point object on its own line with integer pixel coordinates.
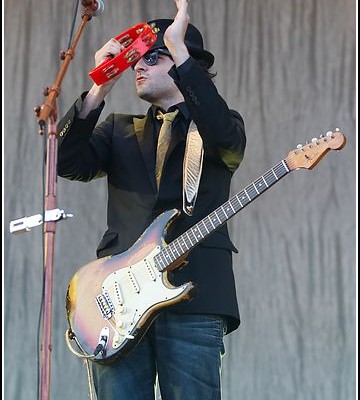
{"type": "Point", "coordinates": [193, 40]}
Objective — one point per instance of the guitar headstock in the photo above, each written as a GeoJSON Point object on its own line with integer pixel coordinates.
{"type": "Point", "coordinates": [308, 155]}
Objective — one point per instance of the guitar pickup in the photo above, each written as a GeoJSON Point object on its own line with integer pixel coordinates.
{"type": "Point", "coordinates": [105, 305]}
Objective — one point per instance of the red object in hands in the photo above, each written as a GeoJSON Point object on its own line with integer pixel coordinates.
{"type": "Point", "coordinates": [137, 40]}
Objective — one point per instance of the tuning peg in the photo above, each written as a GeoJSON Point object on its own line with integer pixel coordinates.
{"type": "Point", "coordinates": [314, 140]}
{"type": "Point", "coordinates": [329, 133]}
{"type": "Point", "coordinates": [299, 146]}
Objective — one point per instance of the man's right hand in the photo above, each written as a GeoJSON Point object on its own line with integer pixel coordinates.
{"type": "Point", "coordinates": [97, 93]}
{"type": "Point", "coordinates": [110, 49]}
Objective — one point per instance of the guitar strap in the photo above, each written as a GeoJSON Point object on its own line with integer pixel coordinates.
{"type": "Point", "coordinates": [192, 168]}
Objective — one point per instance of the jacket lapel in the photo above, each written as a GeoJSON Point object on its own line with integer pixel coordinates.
{"type": "Point", "coordinates": [143, 132]}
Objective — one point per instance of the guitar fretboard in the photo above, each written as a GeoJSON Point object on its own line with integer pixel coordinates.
{"type": "Point", "coordinates": [218, 217]}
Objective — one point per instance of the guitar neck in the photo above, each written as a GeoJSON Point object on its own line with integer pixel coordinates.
{"type": "Point", "coordinates": [194, 235]}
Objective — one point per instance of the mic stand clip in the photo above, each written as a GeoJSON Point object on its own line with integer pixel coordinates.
{"type": "Point", "coordinates": [26, 223]}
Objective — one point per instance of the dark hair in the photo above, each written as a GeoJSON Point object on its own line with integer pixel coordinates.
{"type": "Point", "coordinates": [205, 66]}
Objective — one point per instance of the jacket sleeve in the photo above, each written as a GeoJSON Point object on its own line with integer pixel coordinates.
{"type": "Point", "coordinates": [83, 148]}
{"type": "Point", "coordinates": [222, 129]}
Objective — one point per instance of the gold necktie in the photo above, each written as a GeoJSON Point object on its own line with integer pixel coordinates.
{"type": "Point", "coordinates": [163, 141]}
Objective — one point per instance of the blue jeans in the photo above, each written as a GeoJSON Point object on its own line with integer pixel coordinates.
{"type": "Point", "coordinates": [183, 350]}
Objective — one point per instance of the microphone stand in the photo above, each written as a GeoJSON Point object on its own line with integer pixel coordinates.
{"type": "Point", "coordinates": [48, 112]}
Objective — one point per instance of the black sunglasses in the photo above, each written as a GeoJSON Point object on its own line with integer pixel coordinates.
{"type": "Point", "coordinates": [151, 57]}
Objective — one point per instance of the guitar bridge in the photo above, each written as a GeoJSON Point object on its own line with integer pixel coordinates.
{"type": "Point", "coordinates": [105, 304]}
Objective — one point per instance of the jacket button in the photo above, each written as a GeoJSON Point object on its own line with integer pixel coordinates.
{"type": "Point", "coordinates": [189, 91]}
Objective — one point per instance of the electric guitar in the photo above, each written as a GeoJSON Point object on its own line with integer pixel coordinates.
{"type": "Point", "coordinates": [112, 301]}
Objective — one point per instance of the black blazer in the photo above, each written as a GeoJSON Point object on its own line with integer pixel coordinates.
{"type": "Point", "coordinates": [121, 148]}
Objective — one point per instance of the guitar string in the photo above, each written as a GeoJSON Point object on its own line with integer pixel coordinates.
{"type": "Point", "coordinates": [215, 219]}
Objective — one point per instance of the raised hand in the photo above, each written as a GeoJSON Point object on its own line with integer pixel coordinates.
{"type": "Point", "coordinates": [175, 33]}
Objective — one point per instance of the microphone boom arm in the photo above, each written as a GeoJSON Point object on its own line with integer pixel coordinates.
{"type": "Point", "coordinates": [49, 106]}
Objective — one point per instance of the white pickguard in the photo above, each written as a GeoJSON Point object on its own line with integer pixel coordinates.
{"type": "Point", "coordinates": [132, 292]}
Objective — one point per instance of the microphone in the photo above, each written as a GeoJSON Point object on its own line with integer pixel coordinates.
{"type": "Point", "coordinates": [100, 7]}
{"type": "Point", "coordinates": [96, 6]}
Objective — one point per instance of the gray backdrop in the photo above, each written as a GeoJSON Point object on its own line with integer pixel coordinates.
{"type": "Point", "coordinates": [289, 67]}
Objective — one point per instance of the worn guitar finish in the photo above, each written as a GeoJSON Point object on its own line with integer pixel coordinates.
{"type": "Point", "coordinates": [112, 301]}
